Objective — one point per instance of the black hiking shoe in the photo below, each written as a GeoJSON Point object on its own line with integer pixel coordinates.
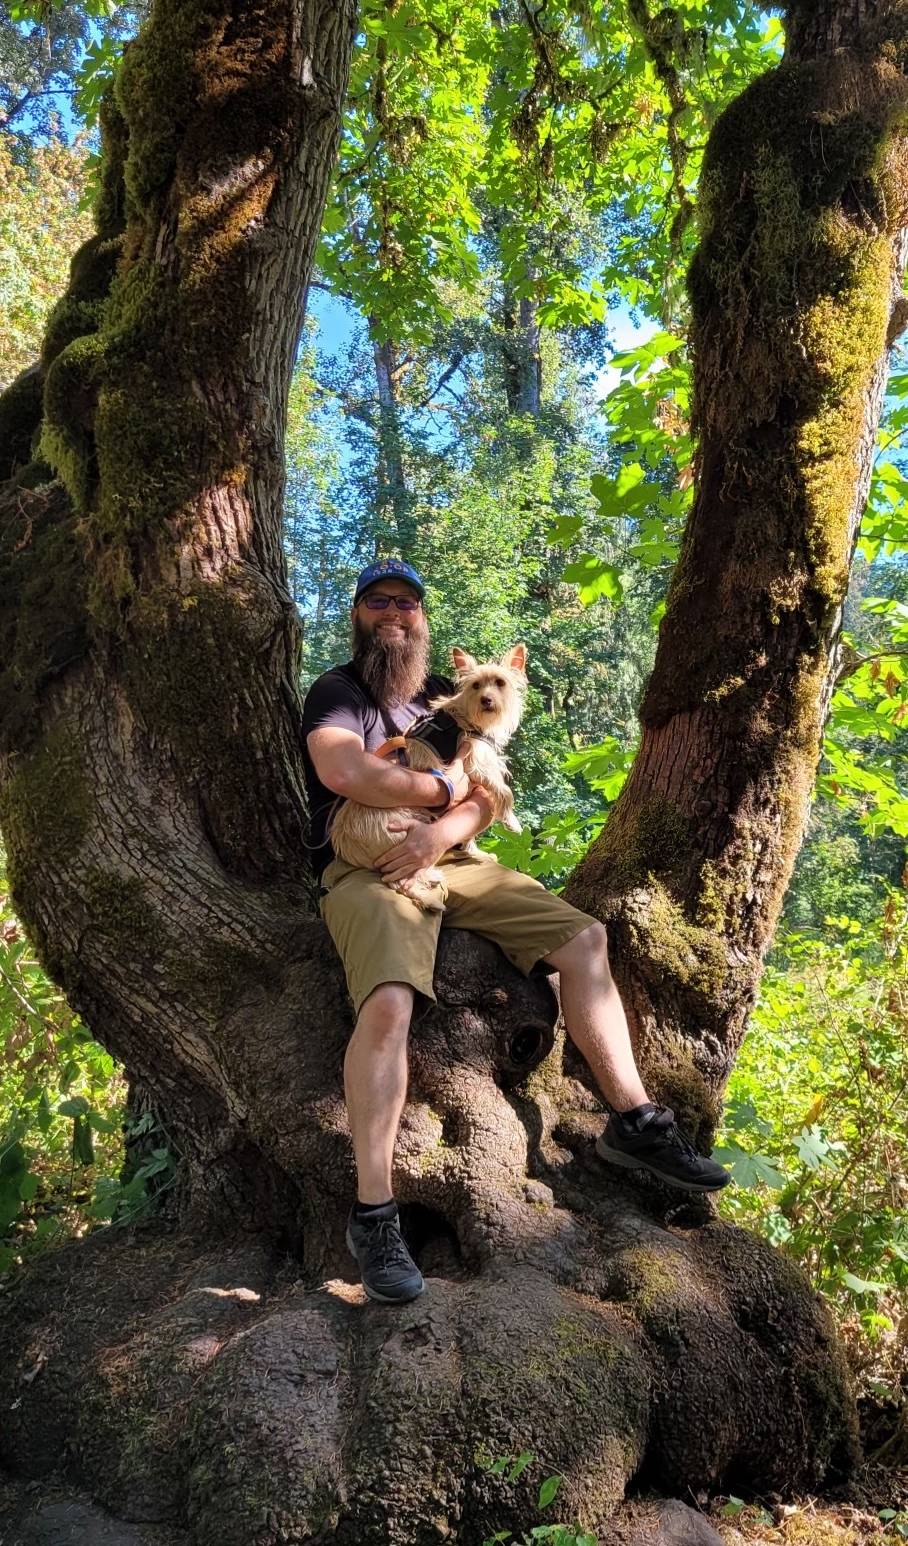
{"type": "Point", "coordinates": [653, 1141]}
{"type": "Point", "coordinates": [389, 1271]}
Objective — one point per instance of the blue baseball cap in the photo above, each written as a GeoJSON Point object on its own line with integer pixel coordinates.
{"type": "Point", "coordinates": [389, 569]}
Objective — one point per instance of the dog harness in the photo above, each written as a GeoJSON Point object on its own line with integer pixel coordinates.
{"type": "Point", "coordinates": [439, 730]}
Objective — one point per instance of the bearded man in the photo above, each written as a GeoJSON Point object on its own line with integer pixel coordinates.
{"type": "Point", "coordinates": [388, 945]}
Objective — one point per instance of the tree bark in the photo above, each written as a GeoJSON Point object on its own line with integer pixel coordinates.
{"type": "Point", "coordinates": [392, 494]}
{"type": "Point", "coordinates": [151, 800]}
{"type": "Point", "coordinates": [521, 359]}
{"type": "Point", "coordinates": [794, 289]}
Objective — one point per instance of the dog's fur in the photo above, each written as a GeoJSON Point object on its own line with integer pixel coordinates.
{"type": "Point", "coordinates": [489, 703]}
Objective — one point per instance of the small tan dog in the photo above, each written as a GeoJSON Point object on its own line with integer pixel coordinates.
{"type": "Point", "coordinates": [475, 724]}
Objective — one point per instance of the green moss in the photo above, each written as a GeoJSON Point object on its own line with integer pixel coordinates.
{"type": "Point", "coordinates": [185, 677]}
{"type": "Point", "coordinates": [546, 1081]}
{"type": "Point", "coordinates": [693, 955]}
{"type": "Point", "coordinates": [578, 1361]}
{"type": "Point", "coordinates": [110, 210]}
{"type": "Point", "coordinates": [151, 463]}
{"type": "Point", "coordinates": [843, 332]}
{"type": "Point", "coordinates": [48, 800]}
{"type": "Point", "coordinates": [70, 396]}
{"type": "Point", "coordinates": [68, 321]}
{"type": "Point", "coordinates": [92, 268]}
{"type": "Point", "coordinates": [724, 884]}
{"type": "Point", "coordinates": [781, 265]}
{"type": "Point", "coordinates": [128, 429]}
{"type": "Point", "coordinates": [647, 840]}
{"type": "Point", "coordinates": [712, 902]}
{"type": "Point", "coordinates": [648, 1277]}
{"type": "Point", "coordinates": [675, 1081]}
{"type": "Point", "coordinates": [803, 187]}
{"type": "Point", "coordinates": [160, 67]}
{"type": "Point", "coordinates": [647, 856]}
{"type": "Point", "coordinates": [574, 1337]}
{"type": "Point", "coordinates": [72, 352]}
{"type": "Point", "coordinates": [724, 689]}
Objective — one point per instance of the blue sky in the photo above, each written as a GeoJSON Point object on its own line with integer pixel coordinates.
{"type": "Point", "coordinates": [336, 324]}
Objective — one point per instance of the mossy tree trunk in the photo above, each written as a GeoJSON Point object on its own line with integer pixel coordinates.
{"type": "Point", "coordinates": [152, 797]}
{"type": "Point", "coordinates": [796, 298]}
{"type": "Point", "coordinates": [152, 807]}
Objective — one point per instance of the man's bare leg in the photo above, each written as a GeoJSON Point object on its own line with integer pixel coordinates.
{"type": "Point", "coordinates": [594, 1016]}
{"type": "Point", "coordinates": [375, 1085]}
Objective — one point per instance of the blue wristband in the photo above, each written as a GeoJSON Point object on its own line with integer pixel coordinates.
{"type": "Point", "coordinates": [443, 779]}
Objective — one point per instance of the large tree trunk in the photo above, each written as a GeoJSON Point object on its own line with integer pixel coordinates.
{"type": "Point", "coordinates": [392, 495]}
{"type": "Point", "coordinates": [152, 807]}
{"type": "Point", "coordinates": [521, 360]}
{"type": "Point", "coordinates": [796, 297]}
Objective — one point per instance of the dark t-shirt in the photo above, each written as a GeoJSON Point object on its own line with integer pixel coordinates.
{"type": "Point", "coordinates": [338, 700]}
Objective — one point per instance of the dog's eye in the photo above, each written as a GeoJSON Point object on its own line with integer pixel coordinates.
{"type": "Point", "coordinates": [498, 682]}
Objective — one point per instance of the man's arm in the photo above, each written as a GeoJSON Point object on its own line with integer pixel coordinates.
{"type": "Point", "coordinates": [343, 765]}
{"type": "Point", "coordinates": [426, 841]}
{"type": "Point", "coordinates": [465, 820]}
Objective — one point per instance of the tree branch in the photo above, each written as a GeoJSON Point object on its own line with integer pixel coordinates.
{"type": "Point", "coordinates": [854, 661]}
{"type": "Point", "coordinates": [661, 35]}
{"type": "Point", "coordinates": [442, 381]}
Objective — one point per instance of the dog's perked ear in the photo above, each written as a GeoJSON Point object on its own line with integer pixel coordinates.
{"type": "Point", "coordinates": [462, 661]}
{"type": "Point", "coordinates": [515, 658]}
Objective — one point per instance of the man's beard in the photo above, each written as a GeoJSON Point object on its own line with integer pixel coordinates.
{"type": "Point", "coordinates": [393, 669]}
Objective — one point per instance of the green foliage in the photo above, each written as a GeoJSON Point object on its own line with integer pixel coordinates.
{"type": "Point", "coordinates": [460, 120]}
{"type": "Point", "coordinates": [510, 1468]}
{"type": "Point", "coordinates": [40, 225]}
{"type": "Point", "coordinates": [53, 49]}
{"type": "Point", "coordinates": [817, 1114]}
{"type": "Point", "coordinates": [62, 1115]}
{"type": "Point", "coordinates": [865, 759]}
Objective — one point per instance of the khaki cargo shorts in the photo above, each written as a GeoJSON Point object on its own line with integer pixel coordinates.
{"type": "Point", "coordinates": [382, 936]}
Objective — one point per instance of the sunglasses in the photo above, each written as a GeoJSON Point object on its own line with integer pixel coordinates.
{"type": "Point", "coordinates": [402, 603]}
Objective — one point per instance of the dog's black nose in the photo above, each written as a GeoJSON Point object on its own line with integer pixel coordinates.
{"type": "Point", "coordinates": [487, 703]}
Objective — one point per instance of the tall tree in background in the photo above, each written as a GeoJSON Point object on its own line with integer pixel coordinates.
{"type": "Point", "coordinates": [151, 802]}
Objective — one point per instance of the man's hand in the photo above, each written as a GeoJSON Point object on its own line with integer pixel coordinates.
{"type": "Point", "coordinates": [422, 847]}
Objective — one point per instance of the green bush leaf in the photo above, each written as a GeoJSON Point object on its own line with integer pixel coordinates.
{"type": "Point", "coordinates": [83, 1148]}
{"type": "Point", "coordinates": [524, 1459]}
{"type": "Point", "coordinates": [595, 578]}
{"type": "Point", "coordinates": [78, 1106]}
{"type": "Point", "coordinates": [102, 1124]}
{"type": "Point", "coordinates": [749, 1170]}
{"type": "Point", "coordinates": [28, 1187]}
{"type": "Point", "coordinates": [862, 1285]}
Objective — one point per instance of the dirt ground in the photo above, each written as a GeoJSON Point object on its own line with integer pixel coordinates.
{"type": "Point", "coordinates": [821, 1521]}
{"type": "Point", "coordinates": [46, 1513]}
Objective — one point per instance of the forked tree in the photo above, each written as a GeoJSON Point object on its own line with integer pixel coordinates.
{"type": "Point", "coordinates": [223, 1374]}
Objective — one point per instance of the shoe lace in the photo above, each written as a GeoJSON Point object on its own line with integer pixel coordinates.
{"type": "Point", "coordinates": [666, 1121]}
{"type": "Point", "coordinates": [676, 1137]}
{"type": "Point", "coordinates": [386, 1246]}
